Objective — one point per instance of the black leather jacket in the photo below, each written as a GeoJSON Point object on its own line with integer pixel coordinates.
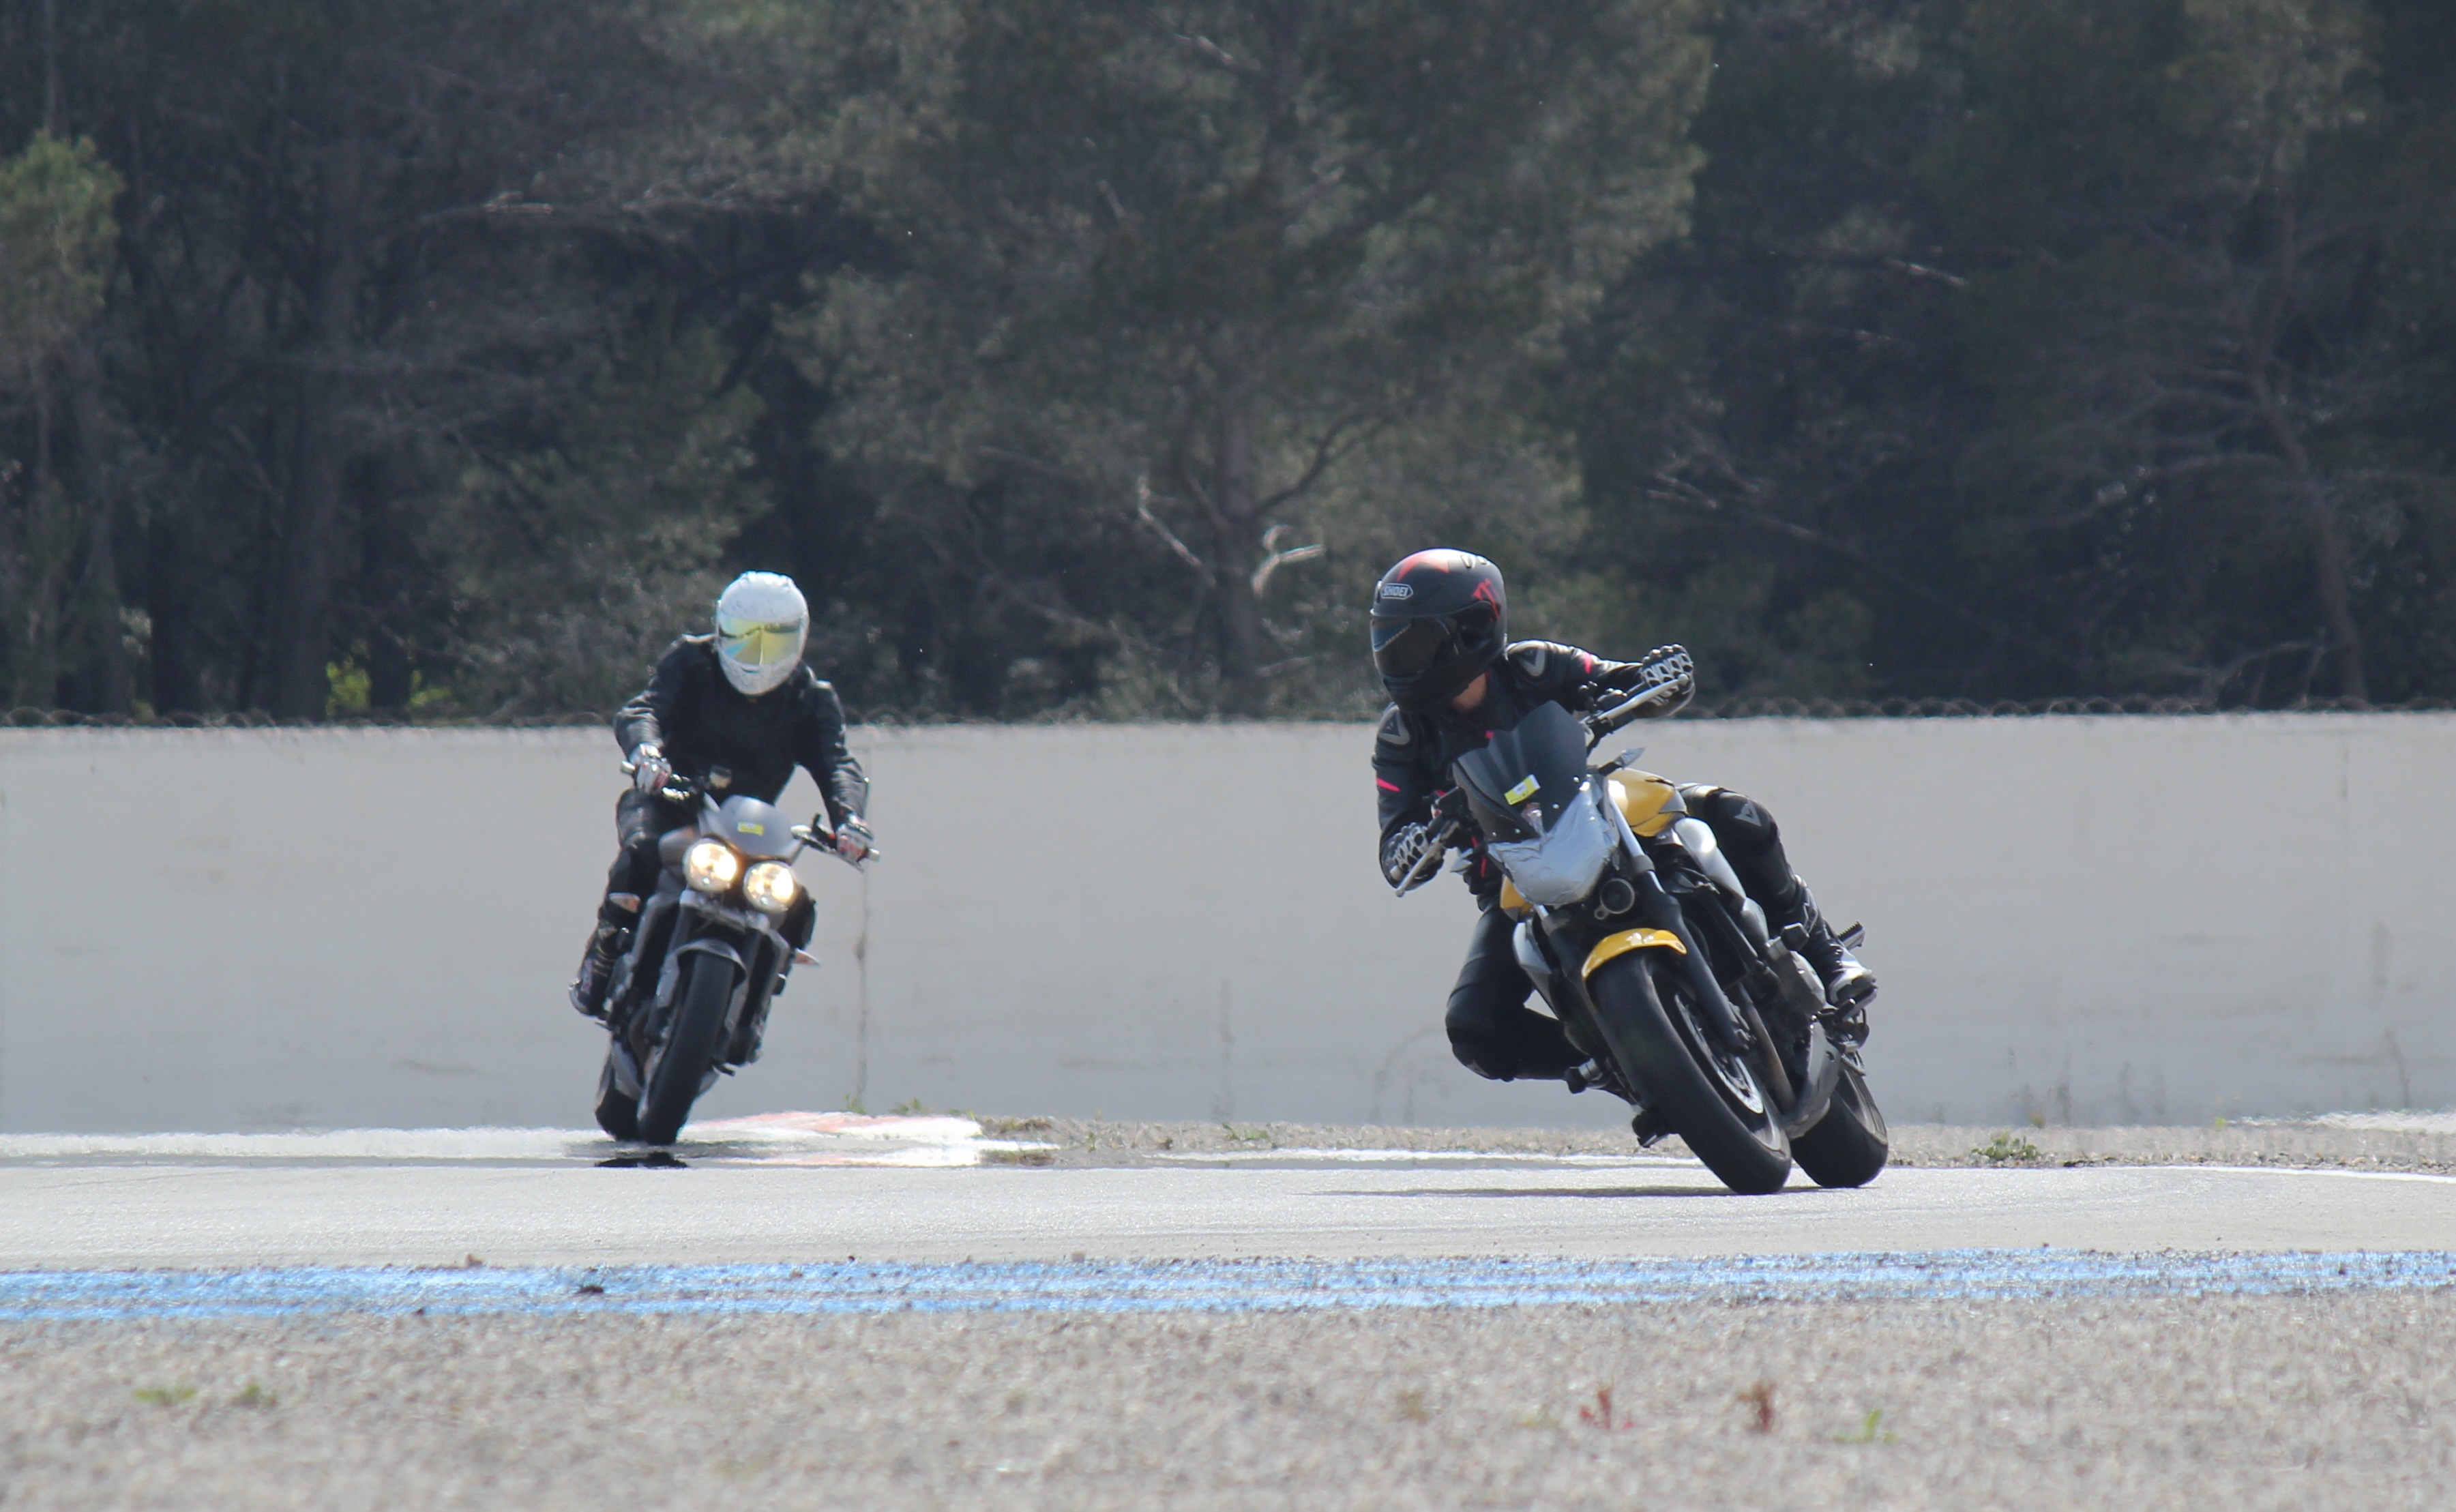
{"type": "Point", "coordinates": [1412, 753]}
{"type": "Point", "coordinates": [702, 722]}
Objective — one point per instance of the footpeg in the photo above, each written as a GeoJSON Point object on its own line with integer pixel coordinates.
{"type": "Point", "coordinates": [1846, 1024]}
{"type": "Point", "coordinates": [1578, 1078]}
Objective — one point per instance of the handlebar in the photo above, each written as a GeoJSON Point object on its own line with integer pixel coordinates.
{"type": "Point", "coordinates": [1664, 679]}
{"type": "Point", "coordinates": [1450, 824]}
{"type": "Point", "coordinates": [816, 835]}
{"type": "Point", "coordinates": [676, 788]}
{"type": "Point", "coordinates": [1428, 866]}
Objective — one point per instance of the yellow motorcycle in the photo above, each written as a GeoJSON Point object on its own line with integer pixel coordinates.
{"type": "Point", "coordinates": [1660, 968]}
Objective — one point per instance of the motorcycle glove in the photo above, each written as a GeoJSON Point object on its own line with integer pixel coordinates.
{"type": "Point", "coordinates": [853, 840]}
{"type": "Point", "coordinates": [1655, 685]}
{"type": "Point", "coordinates": [649, 767]}
{"type": "Point", "coordinates": [1402, 851]}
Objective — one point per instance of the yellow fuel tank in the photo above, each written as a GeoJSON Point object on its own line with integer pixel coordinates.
{"type": "Point", "coordinates": [1648, 802]}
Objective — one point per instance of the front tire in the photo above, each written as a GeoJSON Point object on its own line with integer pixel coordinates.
{"type": "Point", "coordinates": [1724, 1116]}
{"type": "Point", "coordinates": [703, 990]}
{"type": "Point", "coordinates": [1848, 1145]}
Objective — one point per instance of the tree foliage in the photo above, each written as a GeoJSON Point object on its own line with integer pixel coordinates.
{"type": "Point", "coordinates": [56, 235]}
{"type": "Point", "coordinates": [1190, 268]}
{"type": "Point", "coordinates": [2060, 348]}
{"type": "Point", "coordinates": [441, 357]}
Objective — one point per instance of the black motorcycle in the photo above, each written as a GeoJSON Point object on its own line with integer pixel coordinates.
{"type": "Point", "coordinates": [689, 1000]}
{"type": "Point", "coordinates": [1659, 966]}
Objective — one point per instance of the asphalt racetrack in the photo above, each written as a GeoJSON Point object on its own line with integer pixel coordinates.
{"type": "Point", "coordinates": [557, 1207]}
{"type": "Point", "coordinates": [821, 1310]}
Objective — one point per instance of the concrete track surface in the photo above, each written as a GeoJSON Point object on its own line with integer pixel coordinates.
{"type": "Point", "coordinates": [1150, 1333]}
{"type": "Point", "coordinates": [140, 1218]}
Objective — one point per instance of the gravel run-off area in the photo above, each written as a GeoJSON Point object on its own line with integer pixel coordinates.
{"type": "Point", "coordinates": [2345, 1400]}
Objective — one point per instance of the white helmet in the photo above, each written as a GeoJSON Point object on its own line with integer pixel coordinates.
{"type": "Point", "coordinates": [761, 623]}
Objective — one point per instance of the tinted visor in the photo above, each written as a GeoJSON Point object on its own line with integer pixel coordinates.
{"type": "Point", "coordinates": [757, 649]}
{"type": "Point", "coordinates": [1405, 648]}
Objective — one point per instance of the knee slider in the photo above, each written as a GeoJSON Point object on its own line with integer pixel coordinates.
{"type": "Point", "coordinates": [1484, 1058]}
{"type": "Point", "coordinates": [1474, 1042]}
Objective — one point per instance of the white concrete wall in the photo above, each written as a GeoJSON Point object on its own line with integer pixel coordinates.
{"type": "Point", "coordinates": [2087, 920]}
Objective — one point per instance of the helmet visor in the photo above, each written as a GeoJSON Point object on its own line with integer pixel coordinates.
{"type": "Point", "coordinates": [759, 649]}
{"type": "Point", "coordinates": [1405, 648]}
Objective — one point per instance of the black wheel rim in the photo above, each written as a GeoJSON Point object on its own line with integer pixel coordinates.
{"type": "Point", "coordinates": [1735, 1080]}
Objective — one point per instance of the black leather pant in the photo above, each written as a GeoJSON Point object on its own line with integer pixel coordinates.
{"type": "Point", "coordinates": [1492, 1031]}
{"type": "Point", "coordinates": [641, 820]}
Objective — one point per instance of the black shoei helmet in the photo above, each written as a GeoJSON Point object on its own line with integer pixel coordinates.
{"type": "Point", "coordinates": [1439, 618]}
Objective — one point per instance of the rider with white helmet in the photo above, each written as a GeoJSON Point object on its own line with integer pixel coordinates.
{"type": "Point", "coordinates": [735, 711]}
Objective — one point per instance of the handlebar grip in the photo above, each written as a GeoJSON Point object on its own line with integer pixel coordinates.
{"type": "Point", "coordinates": [1428, 866]}
{"type": "Point", "coordinates": [1668, 679]}
{"type": "Point", "coordinates": [1622, 713]}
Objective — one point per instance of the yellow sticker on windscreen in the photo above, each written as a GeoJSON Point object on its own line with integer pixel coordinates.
{"type": "Point", "coordinates": [1523, 791]}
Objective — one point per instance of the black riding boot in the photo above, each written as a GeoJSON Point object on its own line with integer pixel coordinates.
{"type": "Point", "coordinates": [1848, 985]}
{"type": "Point", "coordinates": [605, 947]}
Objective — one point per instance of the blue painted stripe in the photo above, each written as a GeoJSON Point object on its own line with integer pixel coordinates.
{"type": "Point", "coordinates": [1206, 1286]}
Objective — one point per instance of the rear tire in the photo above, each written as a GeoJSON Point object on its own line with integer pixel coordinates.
{"type": "Point", "coordinates": [617, 1114]}
{"type": "Point", "coordinates": [1848, 1145]}
{"type": "Point", "coordinates": [1641, 1007]}
{"type": "Point", "coordinates": [678, 1066]}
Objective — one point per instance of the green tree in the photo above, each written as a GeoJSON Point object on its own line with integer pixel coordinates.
{"type": "Point", "coordinates": [2181, 319]}
{"type": "Point", "coordinates": [2043, 348]}
{"type": "Point", "coordinates": [1186, 271]}
{"type": "Point", "coordinates": [56, 237]}
{"type": "Point", "coordinates": [1768, 410]}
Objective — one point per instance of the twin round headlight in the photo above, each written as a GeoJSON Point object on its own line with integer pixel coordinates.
{"type": "Point", "coordinates": [772, 887]}
{"type": "Point", "coordinates": [712, 866]}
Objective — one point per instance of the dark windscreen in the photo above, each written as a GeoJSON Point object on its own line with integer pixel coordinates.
{"type": "Point", "coordinates": [1541, 759]}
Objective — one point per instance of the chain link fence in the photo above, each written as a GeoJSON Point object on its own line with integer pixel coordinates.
{"type": "Point", "coordinates": [1819, 709]}
{"type": "Point", "coordinates": [1980, 709]}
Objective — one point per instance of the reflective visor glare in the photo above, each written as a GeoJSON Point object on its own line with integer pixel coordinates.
{"type": "Point", "coordinates": [1405, 647]}
{"type": "Point", "coordinates": [761, 645]}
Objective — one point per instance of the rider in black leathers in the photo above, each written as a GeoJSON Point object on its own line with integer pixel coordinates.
{"type": "Point", "coordinates": [1440, 642]}
{"type": "Point", "coordinates": [698, 717]}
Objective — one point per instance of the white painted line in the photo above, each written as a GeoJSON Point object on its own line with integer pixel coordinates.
{"type": "Point", "coordinates": [788, 1138]}
{"type": "Point", "coordinates": [2319, 1171]}
{"type": "Point", "coordinates": [1417, 1157]}
{"type": "Point", "coordinates": [2426, 1123]}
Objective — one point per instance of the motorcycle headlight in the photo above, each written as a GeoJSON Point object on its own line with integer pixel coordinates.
{"type": "Point", "coordinates": [772, 887]}
{"type": "Point", "coordinates": [711, 866]}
